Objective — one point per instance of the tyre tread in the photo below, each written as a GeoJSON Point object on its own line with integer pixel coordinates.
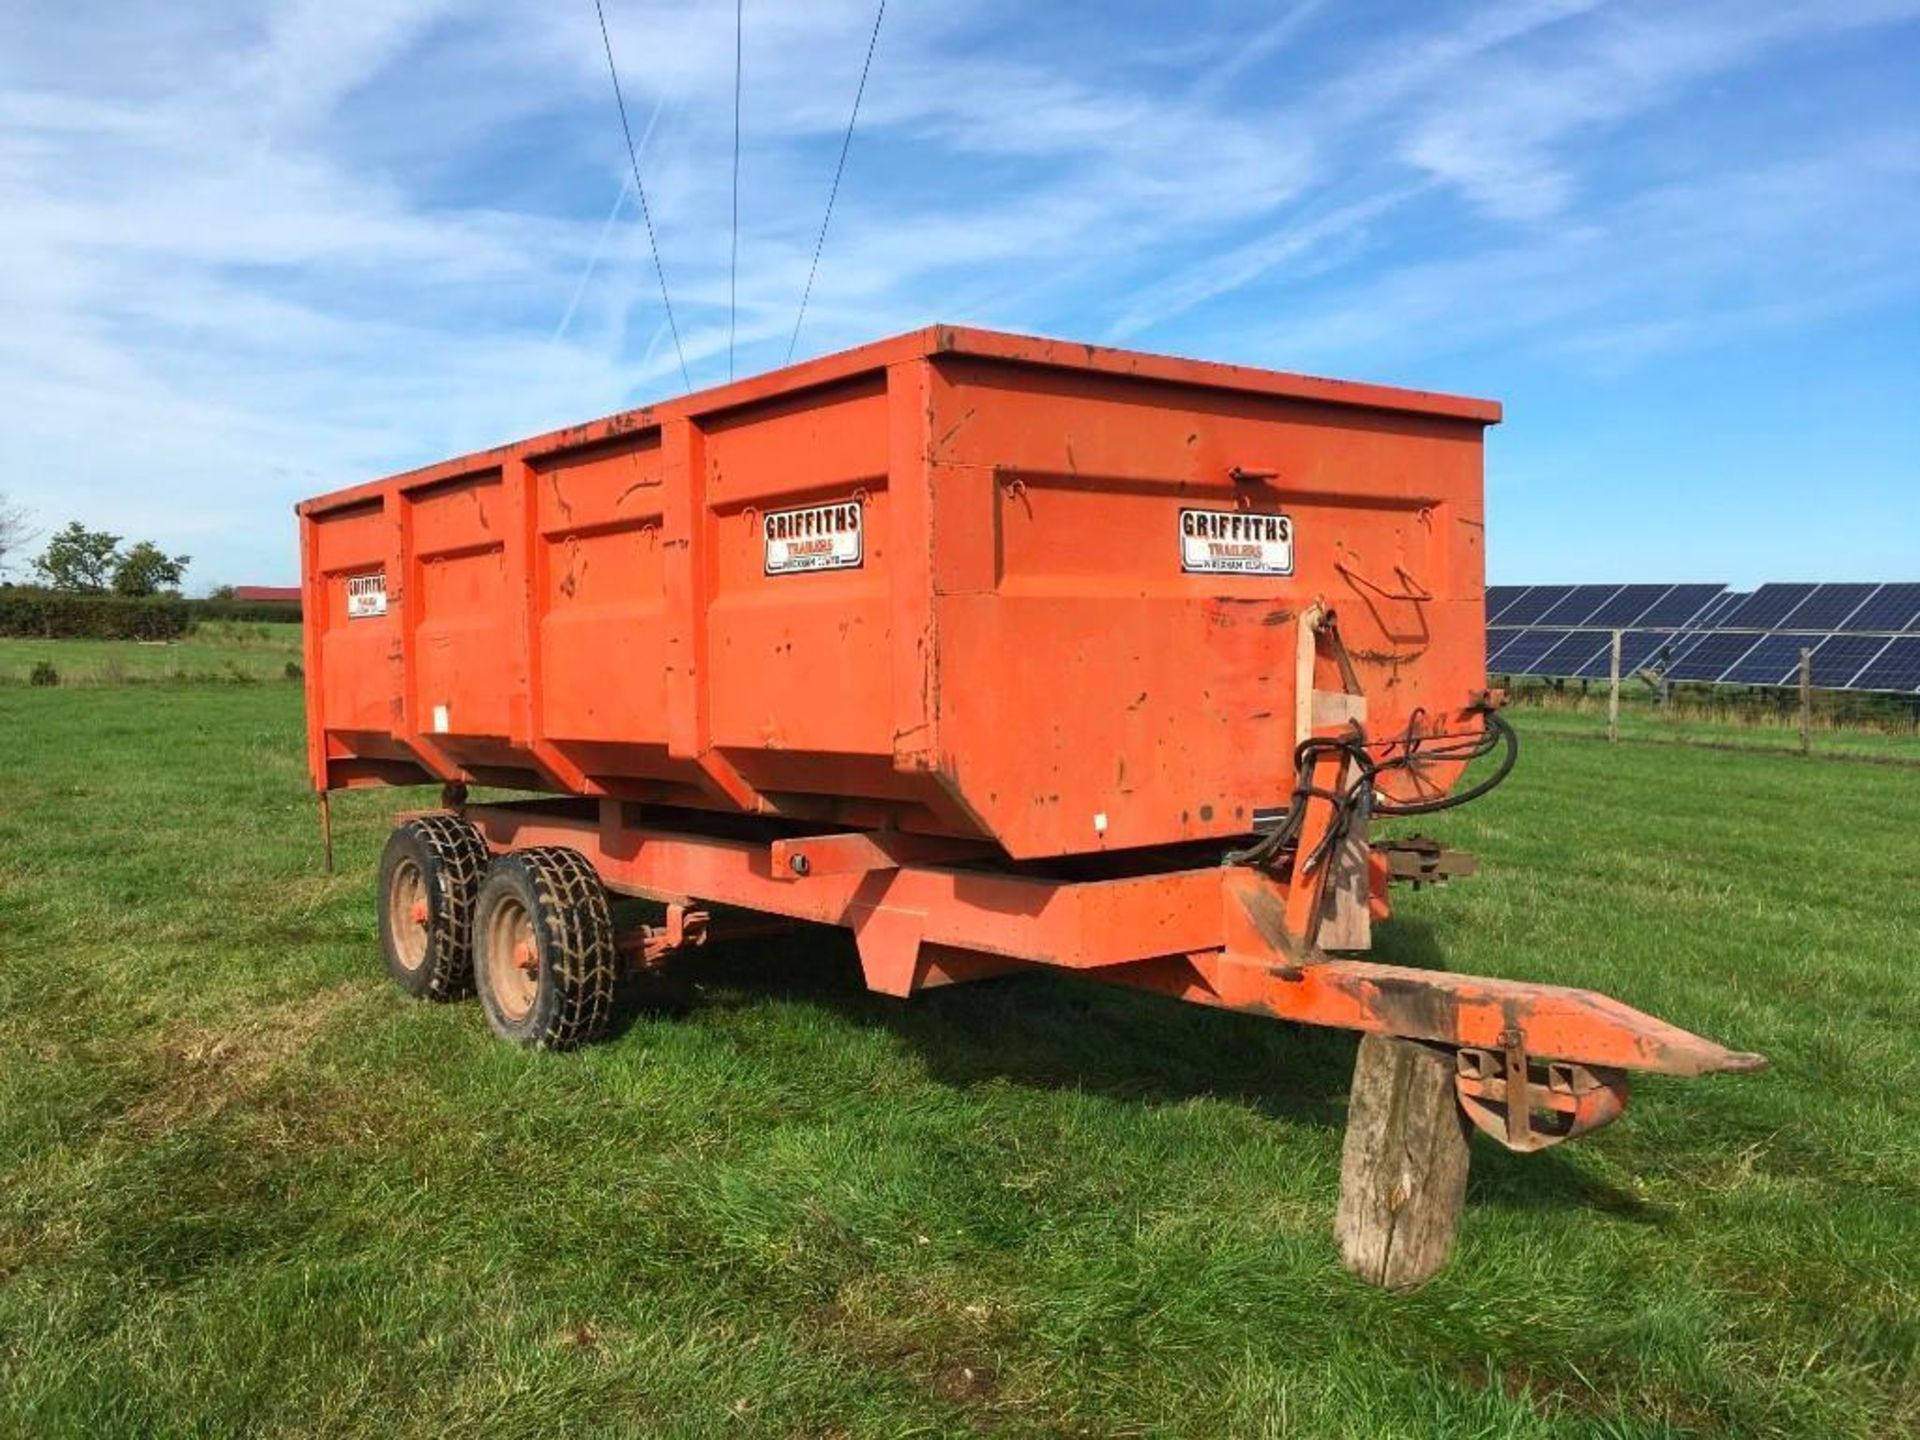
{"type": "Point", "coordinates": [456, 859]}
{"type": "Point", "coordinates": [582, 964]}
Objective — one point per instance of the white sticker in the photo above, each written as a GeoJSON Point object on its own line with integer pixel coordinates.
{"type": "Point", "coordinates": [1235, 542]}
{"type": "Point", "coordinates": [366, 596]}
{"type": "Point", "coordinates": [816, 537]}
{"type": "Point", "coordinates": [440, 719]}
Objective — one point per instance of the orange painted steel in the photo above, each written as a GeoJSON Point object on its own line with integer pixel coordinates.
{"type": "Point", "coordinates": [1204, 934]}
{"type": "Point", "coordinates": [987, 649]}
{"type": "Point", "coordinates": [1016, 648]}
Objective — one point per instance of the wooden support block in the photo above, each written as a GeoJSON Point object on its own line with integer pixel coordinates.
{"type": "Point", "coordinates": [1316, 894]}
{"type": "Point", "coordinates": [1403, 1172]}
{"type": "Point", "coordinates": [1346, 919]}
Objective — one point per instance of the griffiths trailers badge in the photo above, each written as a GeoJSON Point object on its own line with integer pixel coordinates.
{"type": "Point", "coordinates": [817, 537]}
{"type": "Point", "coordinates": [366, 596]}
{"type": "Point", "coordinates": [1235, 542]}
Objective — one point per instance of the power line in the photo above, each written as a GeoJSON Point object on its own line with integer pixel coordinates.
{"type": "Point", "coordinates": [733, 263]}
{"type": "Point", "coordinates": [845, 144]}
{"type": "Point", "coordinates": [633, 158]}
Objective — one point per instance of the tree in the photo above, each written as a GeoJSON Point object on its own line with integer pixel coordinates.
{"type": "Point", "coordinates": [79, 559]}
{"type": "Point", "coordinates": [16, 530]}
{"type": "Point", "coordinates": [146, 569]}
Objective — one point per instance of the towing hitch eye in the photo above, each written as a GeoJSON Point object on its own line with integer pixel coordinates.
{"type": "Point", "coordinates": [1529, 1104]}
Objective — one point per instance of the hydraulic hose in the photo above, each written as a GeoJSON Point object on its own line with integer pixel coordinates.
{"type": "Point", "coordinates": [1361, 796]}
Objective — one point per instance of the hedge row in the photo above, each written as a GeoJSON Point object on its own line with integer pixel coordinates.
{"type": "Point", "coordinates": [53, 615]}
{"type": "Point", "coordinates": [252, 612]}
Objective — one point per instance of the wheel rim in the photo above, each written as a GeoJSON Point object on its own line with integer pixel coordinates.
{"type": "Point", "coordinates": [513, 959]}
{"type": "Point", "coordinates": [407, 914]}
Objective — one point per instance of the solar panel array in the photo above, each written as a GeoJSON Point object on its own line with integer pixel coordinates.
{"type": "Point", "coordinates": [1863, 636]}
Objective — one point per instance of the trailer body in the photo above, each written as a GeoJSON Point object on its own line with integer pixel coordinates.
{"type": "Point", "coordinates": [955, 583]}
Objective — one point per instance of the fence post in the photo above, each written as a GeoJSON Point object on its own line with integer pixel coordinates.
{"type": "Point", "coordinates": [1806, 700]}
{"type": "Point", "coordinates": [1613, 692]}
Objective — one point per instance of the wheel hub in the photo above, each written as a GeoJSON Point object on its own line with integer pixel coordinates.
{"type": "Point", "coordinates": [407, 914]}
{"type": "Point", "coordinates": [512, 959]}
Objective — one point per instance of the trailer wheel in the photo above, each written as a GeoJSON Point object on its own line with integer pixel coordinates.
{"type": "Point", "coordinates": [543, 951]}
{"type": "Point", "coordinates": [429, 874]}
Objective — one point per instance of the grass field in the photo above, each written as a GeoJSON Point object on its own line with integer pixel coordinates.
{"type": "Point", "coordinates": [1755, 728]}
{"type": "Point", "coordinates": [1644, 726]}
{"type": "Point", "coordinates": [214, 650]}
{"type": "Point", "coordinates": [246, 1187]}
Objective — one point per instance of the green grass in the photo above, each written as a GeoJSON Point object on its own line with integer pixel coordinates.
{"type": "Point", "coordinates": [214, 650]}
{"type": "Point", "coordinates": [246, 1187]}
{"type": "Point", "coordinates": [1647, 726]}
{"type": "Point", "coordinates": [1845, 723]}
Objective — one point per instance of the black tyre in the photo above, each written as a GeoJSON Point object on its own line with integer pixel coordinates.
{"type": "Point", "coordinates": [429, 876]}
{"type": "Point", "coordinates": [543, 953]}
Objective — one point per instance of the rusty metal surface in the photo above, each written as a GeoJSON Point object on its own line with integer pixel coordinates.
{"type": "Point", "coordinates": [1416, 860]}
{"type": "Point", "coordinates": [684, 927]}
{"type": "Point", "coordinates": [1527, 1104]}
{"type": "Point", "coordinates": [1554, 1021]}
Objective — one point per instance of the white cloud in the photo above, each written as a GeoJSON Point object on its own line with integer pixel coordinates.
{"type": "Point", "coordinates": [1681, 265]}
{"type": "Point", "coordinates": [1501, 134]}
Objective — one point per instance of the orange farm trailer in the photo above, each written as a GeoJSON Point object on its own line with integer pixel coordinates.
{"type": "Point", "coordinates": [999, 652]}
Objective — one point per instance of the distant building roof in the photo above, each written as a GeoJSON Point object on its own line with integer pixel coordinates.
{"type": "Point", "coordinates": [288, 593]}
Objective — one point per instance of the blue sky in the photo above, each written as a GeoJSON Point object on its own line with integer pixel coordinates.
{"type": "Point", "coordinates": [252, 252]}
